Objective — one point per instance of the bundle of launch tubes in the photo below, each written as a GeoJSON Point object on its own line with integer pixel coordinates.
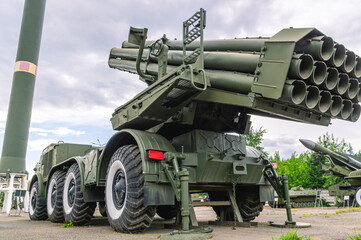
{"type": "Point", "coordinates": [323, 75]}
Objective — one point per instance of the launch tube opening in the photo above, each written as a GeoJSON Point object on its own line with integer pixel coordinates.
{"type": "Point", "coordinates": [325, 101]}
{"type": "Point", "coordinates": [350, 62]}
{"type": "Point", "coordinates": [355, 115]}
{"type": "Point", "coordinates": [319, 73]}
{"type": "Point", "coordinates": [353, 88]}
{"type": "Point", "coordinates": [332, 79]}
{"type": "Point", "coordinates": [301, 66]}
{"type": "Point", "coordinates": [346, 109]}
{"type": "Point", "coordinates": [327, 48]}
{"type": "Point", "coordinates": [342, 84]}
{"type": "Point", "coordinates": [336, 105]}
{"type": "Point", "coordinates": [356, 71]}
{"type": "Point", "coordinates": [338, 56]}
{"type": "Point", "coordinates": [312, 97]}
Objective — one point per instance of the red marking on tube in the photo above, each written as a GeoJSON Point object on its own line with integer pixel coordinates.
{"type": "Point", "coordinates": [24, 66]}
{"type": "Point", "coordinates": [158, 155]}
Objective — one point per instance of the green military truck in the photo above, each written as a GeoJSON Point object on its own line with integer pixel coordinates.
{"type": "Point", "coordinates": [183, 132]}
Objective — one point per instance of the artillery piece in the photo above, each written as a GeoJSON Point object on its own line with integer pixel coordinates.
{"type": "Point", "coordinates": [342, 165]}
{"type": "Point", "coordinates": [173, 136]}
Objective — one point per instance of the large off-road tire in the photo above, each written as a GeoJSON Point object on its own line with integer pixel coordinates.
{"type": "Point", "coordinates": [102, 209]}
{"type": "Point", "coordinates": [54, 199]}
{"type": "Point", "coordinates": [124, 192]}
{"type": "Point", "coordinates": [167, 211]}
{"type": "Point", "coordinates": [75, 208]}
{"type": "Point", "coordinates": [358, 196]}
{"type": "Point", "coordinates": [36, 211]}
{"type": "Point", "coordinates": [248, 202]}
{"type": "Point", "coordinates": [247, 198]}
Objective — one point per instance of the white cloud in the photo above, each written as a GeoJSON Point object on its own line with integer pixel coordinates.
{"type": "Point", "coordinates": [40, 144]}
{"type": "Point", "coordinates": [59, 131]}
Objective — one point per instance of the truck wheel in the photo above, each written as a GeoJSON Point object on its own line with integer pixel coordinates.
{"type": "Point", "coordinates": [249, 204]}
{"type": "Point", "coordinates": [358, 196]}
{"type": "Point", "coordinates": [247, 200]}
{"type": "Point", "coordinates": [124, 192]}
{"type": "Point", "coordinates": [36, 211]}
{"type": "Point", "coordinates": [102, 209]}
{"type": "Point", "coordinates": [168, 211]}
{"type": "Point", "coordinates": [54, 200]}
{"type": "Point", "coordinates": [75, 208]}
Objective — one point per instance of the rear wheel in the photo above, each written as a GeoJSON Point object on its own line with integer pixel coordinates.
{"type": "Point", "coordinates": [168, 211]}
{"type": "Point", "coordinates": [75, 208]}
{"type": "Point", "coordinates": [124, 192]}
{"type": "Point", "coordinates": [102, 209]}
{"type": "Point", "coordinates": [247, 198]}
{"type": "Point", "coordinates": [54, 200]}
{"type": "Point", "coordinates": [36, 210]}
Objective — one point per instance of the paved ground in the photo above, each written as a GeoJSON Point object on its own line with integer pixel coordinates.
{"type": "Point", "coordinates": [327, 223]}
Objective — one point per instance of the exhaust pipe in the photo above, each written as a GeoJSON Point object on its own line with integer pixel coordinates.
{"type": "Point", "coordinates": [336, 105]}
{"type": "Point", "coordinates": [353, 89]}
{"type": "Point", "coordinates": [355, 114]}
{"type": "Point", "coordinates": [349, 62]}
{"type": "Point", "coordinates": [319, 73]}
{"type": "Point", "coordinates": [301, 66]}
{"type": "Point", "coordinates": [342, 85]}
{"type": "Point", "coordinates": [312, 97]}
{"type": "Point", "coordinates": [346, 109]}
{"type": "Point", "coordinates": [320, 48]}
{"type": "Point", "coordinates": [338, 56]}
{"type": "Point", "coordinates": [331, 80]}
{"type": "Point", "coordinates": [324, 103]}
{"type": "Point", "coordinates": [356, 71]}
{"type": "Point", "coordinates": [294, 91]}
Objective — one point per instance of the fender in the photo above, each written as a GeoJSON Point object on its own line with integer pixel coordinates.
{"type": "Point", "coordinates": [144, 140]}
{"type": "Point", "coordinates": [66, 164]}
{"type": "Point", "coordinates": [42, 190]}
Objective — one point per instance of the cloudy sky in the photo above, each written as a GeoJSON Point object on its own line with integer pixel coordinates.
{"type": "Point", "coordinates": [76, 92]}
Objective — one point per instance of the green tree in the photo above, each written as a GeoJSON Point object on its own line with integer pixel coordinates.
{"type": "Point", "coordinates": [296, 168]}
{"type": "Point", "coordinates": [254, 138]}
{"type": "Point", "coordinates": [334, 144]}
{"type": "Point", "coordinates": [316, 175]}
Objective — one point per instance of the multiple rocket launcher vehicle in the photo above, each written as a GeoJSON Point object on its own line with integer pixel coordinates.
{"type": "Point", "coordinates": [172, 137]}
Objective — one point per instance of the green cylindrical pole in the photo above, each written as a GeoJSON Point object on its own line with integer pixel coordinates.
{"type": "Point", "coordinates": [22, 91]}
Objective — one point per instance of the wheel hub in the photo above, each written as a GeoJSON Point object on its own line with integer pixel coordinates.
{"type": "Point", "coordinates": [33, 200]}
{"type": "Point", "coordinates": [71, 193]}
{"type": "Point", "coordinates": [119, 189]}
{"type": "Point", "coordinates": [53, 195]}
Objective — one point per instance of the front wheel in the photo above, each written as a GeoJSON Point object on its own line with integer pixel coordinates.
{"type": "Point", "coordinates": [124, 192]}
{"type": "Point", "coordinates": [36, 210]}
{"type": "Point", "coordinates": [75, 208]}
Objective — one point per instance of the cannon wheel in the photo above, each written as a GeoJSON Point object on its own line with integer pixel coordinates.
{"type": "Point", "coordinates": [124, 192]}
{"type": "Point", "coordinates": [75, 208]}
{"type": "Point", "coordinates": [249, 205]}
{"type": "Point", "coordinates": [36, 211]}
{"type": "Point", "coordinates": [54, 200]}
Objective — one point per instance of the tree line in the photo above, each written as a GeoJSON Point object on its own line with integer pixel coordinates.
{"type": "Point", "coordinates": [303, 169]}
